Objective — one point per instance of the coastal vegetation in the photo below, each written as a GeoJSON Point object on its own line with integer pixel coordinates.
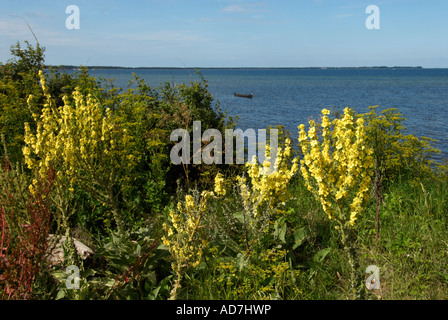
{"type": "Point", "coordinates": [84, 161]}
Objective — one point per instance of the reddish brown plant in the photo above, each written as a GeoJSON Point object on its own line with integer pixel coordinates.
{"type": "Point", "coordinates": [23, 246]}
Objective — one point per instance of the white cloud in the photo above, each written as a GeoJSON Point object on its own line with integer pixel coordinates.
{"type": "Point", "coordinates": [14, 28]}
{"type": "Point", "coordinates": [39, 15]}
{"type": "Point", "coordinates": [234, 8]}
{"type": "Point", "coordinates": [343, 16]}
{"type": "Point", "coordinates": [246, 8]}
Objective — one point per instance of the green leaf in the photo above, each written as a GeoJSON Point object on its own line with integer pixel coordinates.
{"type": "Point", "coordinates": [89, 273]}
{"type": "Point", "coordinates": [154, 293]}
{"type": "Point", "coordinates": [240, 217]}
{"type": "Point", "coordinates": [280, 229]}
{"type": "Point", "coordinates": [60, 295]}
{"type": "Point", "coordinates": [320, 256]}
{"type": "Point", "coordinates": [163, 285]}
{"type": "Point", "coordinates": [299, 237]}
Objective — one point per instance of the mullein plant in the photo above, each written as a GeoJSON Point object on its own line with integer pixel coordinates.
{"type": "Point", "coordinates": [264, 190]}
{"type": "Point", "coordinates": [184, 235]}
{"type": "Point", "coordinates": [184, 231]}
{"type": "Point", "coordinates": [83, 144]}
{"type": "Point", "coordinates": [268, 185]}
{"type": "Point", "coordinates": [337, 168]}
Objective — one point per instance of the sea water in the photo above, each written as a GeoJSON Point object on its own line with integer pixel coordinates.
{"type": "Point", "coordinates": [291, 96]}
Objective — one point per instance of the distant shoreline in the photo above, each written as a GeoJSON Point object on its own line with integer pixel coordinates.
{"type": "Point", "coordinates": [240, 68]}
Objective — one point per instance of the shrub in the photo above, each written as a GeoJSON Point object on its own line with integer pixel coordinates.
{"type": "Point", "coordinates": [18, 79]}
{"type": "Point", "coordinates": [394, 152]}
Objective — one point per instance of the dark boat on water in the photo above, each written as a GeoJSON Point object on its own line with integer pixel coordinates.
{"type": "Point", "coordinates": [250, 96]}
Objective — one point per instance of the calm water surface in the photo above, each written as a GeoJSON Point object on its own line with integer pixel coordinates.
{"type": "Point", "coordinates": [292, 96]}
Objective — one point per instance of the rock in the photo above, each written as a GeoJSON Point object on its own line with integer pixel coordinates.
{"type": "Point", "coordinates": [56, 251]}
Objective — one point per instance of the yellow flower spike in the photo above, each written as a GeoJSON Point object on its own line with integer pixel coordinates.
{"type": "Point", "coordinates": [68, 140]}
{"type": "Point", "coordinates": [183, 236]}
{"type": "Point", "coordinates": [219, 185]}
{"type": "Point", "coordinates": [337, 165]}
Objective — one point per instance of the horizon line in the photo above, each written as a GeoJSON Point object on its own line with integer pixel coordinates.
{"type": "Point", "coordinates": [195, 67]}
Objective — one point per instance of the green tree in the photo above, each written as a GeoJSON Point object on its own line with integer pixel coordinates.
{"type": "Point", "coordinates": [18, 78]}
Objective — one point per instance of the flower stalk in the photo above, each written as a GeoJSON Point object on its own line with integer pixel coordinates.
{"type": "Point", "coordinates": [337, 169]}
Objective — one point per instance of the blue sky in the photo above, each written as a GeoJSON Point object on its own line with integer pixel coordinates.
{"type": "Point", "coordinates": [231, 33]}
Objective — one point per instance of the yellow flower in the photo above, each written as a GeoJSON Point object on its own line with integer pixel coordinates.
{"type": "Point", "coordinates": [219, 185]}
{"type": "Point", "coordinates": [74, 141]}
{"type": "Point", "coordinates": [267, 185]}
{"type": "Point", "coordinates": [183, 232]}
{"type": "Point", "coordinates": [189, 202]}
{"type": "Point", "coordinates": [338, 166]}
